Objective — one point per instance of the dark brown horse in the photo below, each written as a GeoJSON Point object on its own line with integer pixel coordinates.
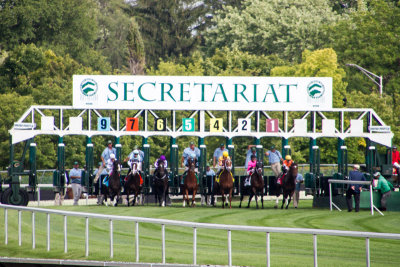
{"type": "Point", "coordinates": [225, 185]}
{"type": "Point", "coordinates": [132, 183]}
{"type": "Point", "coordinates": [114, 183]}
{"type": "Point", "coordinates": [190, 183]}
{"type": "Point", "coordinates": [160, 184]}
{"type": "Point", "coordinates": [288, 185]}
{"type": "Point", "coordinates": [257, 186]}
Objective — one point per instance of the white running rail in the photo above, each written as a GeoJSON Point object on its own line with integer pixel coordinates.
{"type": "Point", "coordinates": [193, 225]}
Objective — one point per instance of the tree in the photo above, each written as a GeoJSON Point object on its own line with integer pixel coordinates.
{"type": "Point", "coordinates": [281, 27]}
{"type": "Point", "coordinates": [169, 27]}
{"type": "Point", "coordinates": [136, 49]}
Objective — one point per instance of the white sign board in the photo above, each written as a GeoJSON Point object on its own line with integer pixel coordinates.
{"type": "Point", "coordinates": [24, 126]}
{"type": "Point", "coordinates": [202, 92]}
{"type": "Point", "coordinates": [380, 129]}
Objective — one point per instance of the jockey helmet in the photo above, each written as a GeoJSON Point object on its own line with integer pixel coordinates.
{"type": "Point", "coordinates": [162, 157]}
{"type": "Point", "coordinates": [225, 154]}
{"type": "Point", "coordinates": [193, 156]}
{"type": "Point", "coordinates": [253, 156]}
{"type": "Point", "coordinates": [112, 156]}
{"type": "Point", "coordinates": [135, 152]}
{"type": "Point", "coordinates": [288, 157]}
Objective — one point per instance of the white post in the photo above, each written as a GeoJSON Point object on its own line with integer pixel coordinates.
{"type": "Point", "coordinates": [111, 240]}
{"type": "Point", "coordinates": [137, 241]}
{"type": "Point", "coordinates": [380, 85]}
{"type": "Point", "coordinates": [371, 199]}
{"type": "Point", "coordinates": [229, 248]}
{"type": "Point", "coordinates": [194, 245]}
{"type": "Point", "coordinates": [19, 229]}
{"type": "Point", "coordinates": [268, 251]}
{"type": "Point", "coordinates": [48, 231]}
{"type": "Point", "coordinates": [33, 231]}
{"type": "Point", "coordinates": [315, 251]}
{"type": "Point", "coordinates": [330, 196]}
{"type": "Point", "coordinates": [65, 235]}
{"type": "Point", "coordinates": [5, 226]}
{"type": "Point", "coordinates": [38, 196]}
{"type": "Point", "coordinates": [87, 238]}
{"type": "Point", "coordinates": [163, 243]}
{"type": "Point", "coordinates": [367, 251]}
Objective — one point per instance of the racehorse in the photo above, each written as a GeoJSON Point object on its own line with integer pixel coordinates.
{"type": "Point", "coordinates": [114, 184]}
{"type": "Point", "coordinates": [132, 183]}
{"type": "Point", "coordinates": [190, 183]}
{"type": "Point", "coordinates": [257, 186]}
{"type": "Point", "coordinates": [160, 182]}
{"type": "Point", "coordinates": [287, 185]}
{"type": "Point", "coordinates": [225, 184]}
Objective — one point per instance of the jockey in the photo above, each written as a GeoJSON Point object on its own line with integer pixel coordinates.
{"type": "Point", "coordinates": [250, 169]}
{"type": "Point", "coordinates": [135, 157]}
{"type": "Point", "coordinates": [196, 163]}
{"type": "Point", "coordinates": [163, 159]}
{"type": "Point", "coordinates": [109, 166]}
{"type": "Point", "coordinates": [221, 162]}
{"type": "Point", "coordinates": [285, 168]}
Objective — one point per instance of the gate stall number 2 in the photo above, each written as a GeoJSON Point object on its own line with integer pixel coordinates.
{"type": "Point", "coordinates": [244, 125]}
{"type": "Point", "coordinates": [103, 124]}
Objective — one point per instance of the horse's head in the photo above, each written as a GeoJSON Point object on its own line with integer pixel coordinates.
{"type": "Point", "coordinates": [294, 170]}
{"type": "Point", "coordinates": [134, 167]}
{"type": "Point", "coordinates": [115, 166]}
{"type": "Point", "coordinates": [191, 164]}
{"type": "Point", "coordinates": [228, 164]}
{"type": "Point", "coordinates": [259, 167]}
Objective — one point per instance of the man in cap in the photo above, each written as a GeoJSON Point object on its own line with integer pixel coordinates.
{"type": "Point", "coordinates": [251, 150]}
{"type": "Point", "coordinates": [100, 172]}
{"type": "Point", "coordinates": [274, 158]}
{"type": "Point", "coordinates": [354, 189]}
{"type": "Point", "coordinates": [105, 156]}
{"type": "Point", "coordinates": [384, 186]}
{"type": "Point", "coordinates": [75, 175]}
{"type": "Point", "coordinates": [218, 153]}
{"type": "Point", "coordinates": [187, 152]}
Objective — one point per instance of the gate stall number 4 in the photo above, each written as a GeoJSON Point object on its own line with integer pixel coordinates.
{"type": "Point", "coordinates": [103, 124]}
{"type": "Point", "coordinates": [188, 125]}
{"type": "Point", "coordinates": [244, 125]}
{"type": "Point", "coordinates": [216, 125]}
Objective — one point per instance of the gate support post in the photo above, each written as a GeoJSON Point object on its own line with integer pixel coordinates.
{"type": "Point", "coordinates": [32, 168]}
{"type": "Point", "coordinates": [86, 181]}
{"type": "Point", "coordinates": [202, 164]}
{"type": "Point", "coordinates": [231, 149]}
{"type": "Point", "coordinates": [174, 163]}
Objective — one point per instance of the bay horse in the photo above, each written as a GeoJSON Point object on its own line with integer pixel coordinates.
{"type": "Point", "coordinates": [190, 183]}
{"type": "Point", "coordinates": [114, 184]}
{"type": "Point", "coordinates": [132, 183]}
{"type": "Point", "coordinates": [257, 186]}
{"type": "Point", "coordinates": [288, 185]}
{"type": "Point", "coordinates": [160, 183]}
{"type": "Point", "coordinates": [225, 185]}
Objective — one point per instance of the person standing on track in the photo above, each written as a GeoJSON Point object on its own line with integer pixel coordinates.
{"type": "Point", "coordinates": [188, 152]}
{"type": "Point", "coordinates": [385, 188]}
{"type": "Point", "coordinates": [354, 189]}
{"type": "Point", "coordinates": [75, 175]}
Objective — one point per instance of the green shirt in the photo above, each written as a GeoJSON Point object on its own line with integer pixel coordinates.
{"type": "Point", "coordinates": [383, 185]}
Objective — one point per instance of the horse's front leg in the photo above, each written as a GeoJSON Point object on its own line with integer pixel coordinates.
{"type": "Point", "coordinates": [127, 196]}
{"type": "Point", "coordinates": [262, 198]}
{"type": "Point", "coordinates": [184, 197]}
{"type": "Point", "coordinates": [250, 198]}
{"type": "Point", "coordinates": [241, 198]}
{"type": "Point", "coordinates": [290, 198]}
{"type": "Point", "coordinates": [230, 198]}
{"type": "Point", "coordinates": [223, 199]}
{"type": "Point", "coordinates": [193, 198]}
{"type": "Point", "coordinates": [255, 196]}
{"type": "Point", "coordinates": [283, 200]}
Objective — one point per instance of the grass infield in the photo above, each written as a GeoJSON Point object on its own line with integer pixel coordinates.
{"type": "Point", "coordinates": [248, 249]}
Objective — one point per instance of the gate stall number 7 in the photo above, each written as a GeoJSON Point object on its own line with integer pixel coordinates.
{"type": "Point", "coordinates": [132, 124]}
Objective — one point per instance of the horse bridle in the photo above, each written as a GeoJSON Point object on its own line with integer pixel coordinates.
{"type": "Point", "coordinates": [228, 168]}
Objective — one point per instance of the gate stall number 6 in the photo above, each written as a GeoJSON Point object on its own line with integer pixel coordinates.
{"type": "Point", "coordinates": [244, 125]}
{"type": "Point", "coordinates": [103, 124]}
{"type": "Point", "coordinates": [132, 124]}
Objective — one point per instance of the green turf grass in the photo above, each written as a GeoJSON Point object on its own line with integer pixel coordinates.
{"type": "Point", "coordinates": [248, 248]}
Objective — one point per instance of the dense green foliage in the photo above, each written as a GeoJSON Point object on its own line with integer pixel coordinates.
{"type": "Point", "coordinates": [43, 43]}
{"type": "Point", "coordinates": [248, 248]}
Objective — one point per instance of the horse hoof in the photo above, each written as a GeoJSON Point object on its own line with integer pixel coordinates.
{"type": "Point", "coordinates": [247, 207]}
{"type": "Point", "coordinates": [275, 207]}
{"type": "Point", "coordinates": [287, 207]}
{"type": "Point", "coordinates": [240, 206]}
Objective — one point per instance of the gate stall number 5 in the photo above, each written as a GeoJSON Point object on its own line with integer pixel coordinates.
{"type": "Point", "coordinates": [103, 124]}
{"type": "Point", "coordinates": [188, 125]}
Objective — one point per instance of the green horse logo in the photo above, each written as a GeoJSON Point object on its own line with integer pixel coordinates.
{"type": "Point", "coordinates": [89, 87]}
{"type": "Point", "coordinates": [315, 89]}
